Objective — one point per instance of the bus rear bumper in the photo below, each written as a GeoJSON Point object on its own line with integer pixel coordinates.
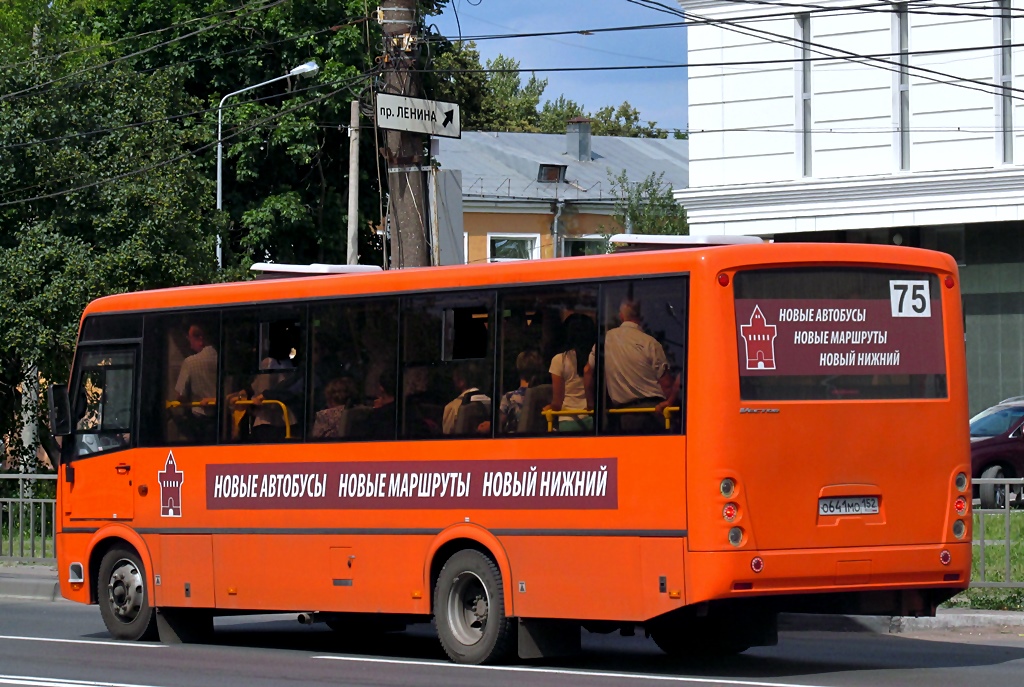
{"type": "Point", "coordinates": [731, 574]}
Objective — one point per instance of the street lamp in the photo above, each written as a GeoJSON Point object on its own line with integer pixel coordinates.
{"type": "Point", "coordinates": [310, 68]}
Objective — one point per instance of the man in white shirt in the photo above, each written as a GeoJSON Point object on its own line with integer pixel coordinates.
{"type": "Point", "coordinates": [636, 372]}
{"type": "Point", "coordinates": [197, 385]}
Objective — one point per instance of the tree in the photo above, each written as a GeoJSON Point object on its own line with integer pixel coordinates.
{"type": "Point", "coordinates": [647, 206]}
{"type": "Point", "coordinates": [623, 120]}
{"type": "Point", "coordinates": [498, 100]}
{"type": "Point", "coordinates": [108, 131]}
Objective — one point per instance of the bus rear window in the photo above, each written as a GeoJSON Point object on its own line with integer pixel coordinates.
{"type": "Point", "coordinates": [839, 334]}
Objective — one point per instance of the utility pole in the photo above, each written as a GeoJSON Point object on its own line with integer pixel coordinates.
{"type": "Point", "coordinates": [353, 185]}
{"type": "Point", "coordinates": [404, 150]}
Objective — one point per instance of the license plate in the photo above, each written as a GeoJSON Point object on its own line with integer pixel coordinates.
{"type": "Point", "coordinates": [848, 505]}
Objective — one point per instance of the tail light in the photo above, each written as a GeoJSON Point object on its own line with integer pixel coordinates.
{"type": "Point", "coordinates": [959, 529]}
{"type": "Point", "coordinates": [730, 511]}
{"type": "Point", "coordinates": [960, 505]}
{"type": "Point", "coordinates": [961, 482]}
{"type": "Point", "coordinates": [945, 557]}
{"type": "Point", "coordinates": [727, 488]}
{"type": "Point", "coordinates": [757, 564]}
{"type": "Point", "coordinates": [736, 536]}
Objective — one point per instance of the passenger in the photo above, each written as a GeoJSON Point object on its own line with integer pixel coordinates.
{"type": "Point", "coordinates": [463, 378]}
{"type": "Point", "coordinates": [381, 422]}
{"type": "Point", "coordinates": [567, 389]}
{"type": "Point", "coordinates": [279, 381]}
{"type": "Point", "coordinates": [197, 387]}
{"type": "Point", "coordinates": [530, 368]}
{"type": "Point", "coordinates": [340, 395]}
{"type": "Point", "coordinates": [636, 373]}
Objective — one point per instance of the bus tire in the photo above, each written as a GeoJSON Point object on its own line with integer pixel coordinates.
{"type": "Point", "coordinates": [469, 610]}
{"type": "Point", "coordinates": [123, 597]}
{"type": "Point", "coordinates": [992, 495]}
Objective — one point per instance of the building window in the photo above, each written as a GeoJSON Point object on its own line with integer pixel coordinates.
{"type": "Point", "coordinates": [803, 23]}
{"type": "Point", "coordinates": [505, 247]}
{"type": "Point", "coordinates": [551, 174]}
{"type": "Point", "coordinates": [903, 84]}
{"type": "Point", "coordinates": [1006, 79]}
{"type": "Point", "coordinates": [586, 245]}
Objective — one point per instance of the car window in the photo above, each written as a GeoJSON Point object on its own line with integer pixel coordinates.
{"type": "Point", "coordinates": [995, 420]}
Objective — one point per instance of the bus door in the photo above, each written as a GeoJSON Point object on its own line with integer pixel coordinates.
{"type": "Point", "coordinates": [98, 468]}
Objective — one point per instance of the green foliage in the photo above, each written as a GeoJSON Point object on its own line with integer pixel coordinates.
{"type": "Point", "coordinates": [647, 206]}
{"type": "Point", "coordinates": [498, 100]}
{"type": "Point", "coordinates": [108, 127]}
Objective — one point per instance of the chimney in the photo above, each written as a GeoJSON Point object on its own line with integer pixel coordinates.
{"type": "Point", "coordinates": [577, 139]}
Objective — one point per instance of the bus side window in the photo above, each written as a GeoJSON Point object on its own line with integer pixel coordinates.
{"type": "Point", "coordinates": [352, 356]}
{"type": "Point", "coordinates": [639, 368]}
{"type": "Point", "coordinates": [263, 384]}
{"type": "Point", "coordinates": [541, 328]}
{"type": "Point", "coordinates": [447, 365]}
{"type": "Point", "coordinates": [179, 373]}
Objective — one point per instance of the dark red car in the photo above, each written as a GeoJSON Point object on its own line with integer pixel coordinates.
{"type": "Point", "coordinates": [997, 448]}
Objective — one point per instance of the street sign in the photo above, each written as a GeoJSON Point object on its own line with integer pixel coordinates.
{"type": "Point", "coordinates": [421, 116]}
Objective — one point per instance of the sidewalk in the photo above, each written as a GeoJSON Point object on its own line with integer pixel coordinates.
{"type": "Point", "coordinates": [39, 582]}
{"type": "Point", "coordinates": [27, 581]}
{"type": "Point", "coordinates": [945, 619]}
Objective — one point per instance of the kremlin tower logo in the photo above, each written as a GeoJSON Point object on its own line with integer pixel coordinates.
{"type": "Point", "coordinates": [170, 479]}
{"type": "Point", "coordinates": [759, 338]}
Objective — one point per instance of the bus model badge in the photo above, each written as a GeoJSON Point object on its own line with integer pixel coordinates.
{"type": "Point", "coordinates": [170, 488]}
{"type": "Point", "coordinates": [759, 339]}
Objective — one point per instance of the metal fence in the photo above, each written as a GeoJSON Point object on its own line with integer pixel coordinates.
{"type": "Point", "coordinates": [28, 513]}
{"type": "Point", "coordinates": [28, 518]}
{"type": "Point", "coordinates": [1003, 567]}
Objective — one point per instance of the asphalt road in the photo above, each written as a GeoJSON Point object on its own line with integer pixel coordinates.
{"type": "Point", "coordinates": [65, 645]}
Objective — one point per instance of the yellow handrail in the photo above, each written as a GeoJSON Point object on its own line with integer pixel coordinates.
{"type": "Point", "coordinates": [549, 415]}
{"type": "Point", "coordinates": [213, 402]}
{"type": "Point", "coordinates": [205, 403]}
{"type": "Point", "coordinates": [284, 411]}
{"type": "Point", "coordinates": [667, 412]}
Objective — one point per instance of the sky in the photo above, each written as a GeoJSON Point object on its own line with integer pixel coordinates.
{"type": "Point", "coordinates": [659, 94]}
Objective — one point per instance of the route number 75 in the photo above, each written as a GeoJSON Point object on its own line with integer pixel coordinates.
{"type": "Point", "coordinates": [910, 298]}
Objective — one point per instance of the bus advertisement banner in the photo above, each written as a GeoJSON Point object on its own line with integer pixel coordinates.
{"type": "Point", "coordinates": [838, 337]}
{"type": "Point", "coordinates": [574, 483]}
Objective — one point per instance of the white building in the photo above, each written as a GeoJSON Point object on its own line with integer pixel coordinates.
{"type": "Point", "coordinates": [792, 140]}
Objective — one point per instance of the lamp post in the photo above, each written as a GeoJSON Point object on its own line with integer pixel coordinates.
{"type": "Point", "coordinates": [310, 68]}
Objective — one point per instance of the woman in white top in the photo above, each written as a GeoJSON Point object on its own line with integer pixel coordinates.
{"type": "Point", "coordinates": [567, 390]}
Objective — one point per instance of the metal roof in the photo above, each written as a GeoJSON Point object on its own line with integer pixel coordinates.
{"type": "Point", "coordinates": [499, 165]}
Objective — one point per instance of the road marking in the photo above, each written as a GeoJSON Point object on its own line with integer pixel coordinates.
{"type": "Point", "coordinates": [127, 645]}
{"type": "Point", "coordinates": [578, 673]}
{"type": "Point", "coordinates": [30, 681]}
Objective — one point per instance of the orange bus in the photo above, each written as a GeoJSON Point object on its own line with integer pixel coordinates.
{"type": "Point", "coordinates": [685, 442]}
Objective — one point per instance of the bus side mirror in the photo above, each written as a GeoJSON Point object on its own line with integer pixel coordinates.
{"type": "Point", "coordinates": [60, 410]}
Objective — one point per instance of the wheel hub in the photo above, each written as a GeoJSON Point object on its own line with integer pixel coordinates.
{"type": "Point", "coordinates": [467, 608]}
{"type": "Point", "coordinates": [126, 590]}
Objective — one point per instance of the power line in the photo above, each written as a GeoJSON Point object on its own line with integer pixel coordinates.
{"type": "Point", "coordinates": [343, 23]}
{"type": "Point", "coordinates": [178, 158]}
{"type": "Point", "coordinates": [93, 68]}
{"type": "Point", "coordinates": [789, 41]}
{"type": "Point", "coordinates": [98, 46]}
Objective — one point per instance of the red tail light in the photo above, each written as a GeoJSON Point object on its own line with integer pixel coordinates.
{"type": "Point", "coordinates": [757, 564]}
{"type": "Point", "coordinates": [730, 511]}
{"type": "Point", "coordinates": [960, 505]}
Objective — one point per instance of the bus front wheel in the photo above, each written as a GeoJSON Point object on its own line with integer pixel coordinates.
{"type": "Point", "coordinates": [122, 596]}
{"type": "Point", "coordinates": [469, 610]}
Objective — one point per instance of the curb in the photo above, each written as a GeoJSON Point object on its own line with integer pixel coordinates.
{"type": "Point", "coordinates": [945, 619]}
{"type": "Point", "coordinates": [35, 583]}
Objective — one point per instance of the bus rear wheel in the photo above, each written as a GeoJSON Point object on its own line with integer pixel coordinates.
{"type": "Point", "coordinates": [123, 597]}
{"type": "Point", "coordinates": [469, 610]}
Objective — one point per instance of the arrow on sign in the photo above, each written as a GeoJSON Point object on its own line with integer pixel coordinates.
{"type": "Point", "coordinates": [448, 116]}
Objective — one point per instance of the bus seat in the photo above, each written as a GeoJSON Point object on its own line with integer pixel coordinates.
{"type": "Point", "coordinates": [352, 422]}
{"type": "Point", "coordinates": [470, 416]}
{"type": "Point", "coordinates": [530, 419]}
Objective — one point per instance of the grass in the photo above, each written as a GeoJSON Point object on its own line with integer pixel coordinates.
{"type": "Point", "coordinates": [989, 598]}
